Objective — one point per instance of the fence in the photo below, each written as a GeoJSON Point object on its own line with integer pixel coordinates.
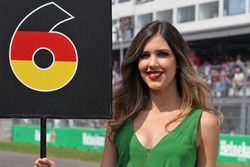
{"type": "Point", "coordinates": [79, 138]}
{"type": "Point", "coordinates": [233, 148]}
{"type": "Point", "coordinates": [236, 113]}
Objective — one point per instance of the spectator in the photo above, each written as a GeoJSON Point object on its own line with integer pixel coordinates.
{"type": "Point", "coordinates": [239, 62]}
{"type": "Point", "coordinates": [238, 80]}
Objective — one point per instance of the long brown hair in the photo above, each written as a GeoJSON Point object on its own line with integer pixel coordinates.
{"type": "Point", "coordinates": [132, 95]}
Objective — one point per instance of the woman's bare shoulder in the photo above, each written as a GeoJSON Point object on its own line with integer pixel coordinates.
{"type": "Point", "coordinates": [208, 128]}
{"type": "Point", "coordinates": [209, 120]}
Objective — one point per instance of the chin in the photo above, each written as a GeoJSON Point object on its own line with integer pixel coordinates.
{"type": "Point", "coordinates": [155, 88]}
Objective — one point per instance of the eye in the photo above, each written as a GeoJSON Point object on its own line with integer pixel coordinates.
{"type": "Point", "coordinates": [144, 55]}
{"type": "Point", "coordinates": [163, 54]}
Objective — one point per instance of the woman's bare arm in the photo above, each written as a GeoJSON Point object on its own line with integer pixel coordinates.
{"type": "Point", "coordinates": [109, 158]}
{"type": "Point", "coordinates": [208, 140]}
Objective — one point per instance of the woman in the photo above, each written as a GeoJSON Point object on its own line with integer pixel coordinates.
{"type": "Point", "coordinates": [160, 114]}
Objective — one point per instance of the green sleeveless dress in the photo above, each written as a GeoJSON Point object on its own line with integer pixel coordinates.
{"type": "Point", "coordinates": [176, 149]}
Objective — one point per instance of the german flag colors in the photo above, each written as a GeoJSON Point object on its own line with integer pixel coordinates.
{"type": "Point", "coordinates": [24, 46]}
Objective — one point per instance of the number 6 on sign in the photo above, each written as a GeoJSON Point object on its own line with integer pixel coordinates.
{"type": "Point", "coordinates": [42, 59]}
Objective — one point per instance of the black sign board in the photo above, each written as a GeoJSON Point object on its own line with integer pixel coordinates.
{"type": "Point", "coordinates": [55, 59]}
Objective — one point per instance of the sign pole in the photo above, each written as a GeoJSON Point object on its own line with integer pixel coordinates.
{"type": "Point", "coordinates": [43, 138]}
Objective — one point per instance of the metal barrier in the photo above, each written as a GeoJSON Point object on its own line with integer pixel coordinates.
{"type": "Point", "coordinates": [236, 113]}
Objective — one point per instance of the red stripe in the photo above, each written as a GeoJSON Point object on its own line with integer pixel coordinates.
{"type": "Point", "coordinates": [25, 43]}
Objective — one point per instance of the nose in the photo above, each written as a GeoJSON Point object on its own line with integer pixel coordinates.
{"type": "Point", "coordinates": [153, 62]}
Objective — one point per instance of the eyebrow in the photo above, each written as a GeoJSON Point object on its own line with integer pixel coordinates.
{"type": "Point", "coordinates": [159, 50]}
{"type": "Point", "coordinates": [164, 50]}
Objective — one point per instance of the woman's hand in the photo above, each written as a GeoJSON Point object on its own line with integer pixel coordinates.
{"type": "Point", "coordinates": [44, 162]}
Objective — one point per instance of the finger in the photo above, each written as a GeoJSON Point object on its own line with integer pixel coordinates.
{"type": "Point", "coordinates": [42, 162]}
{"type": "Point", "coordinates": [37, 163]}
{"type": "Point", "coordinates": [48, 162]}
{"type": "Point", "coordinates": [51, 163]}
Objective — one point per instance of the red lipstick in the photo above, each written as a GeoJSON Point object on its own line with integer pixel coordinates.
{"type": "Point", "coordinates": [154, 75]}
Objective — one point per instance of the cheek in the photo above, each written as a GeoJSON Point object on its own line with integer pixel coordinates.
{"type": "Point", "coordinates": [171, 67]}
{"type": "Point", "coordinates": [141, 66]}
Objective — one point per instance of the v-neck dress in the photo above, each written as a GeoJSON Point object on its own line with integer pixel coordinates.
{"type": "Point", "coordinates": [175, 149]}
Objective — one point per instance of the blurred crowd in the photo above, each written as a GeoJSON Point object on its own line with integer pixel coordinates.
{"type": "Point", "coordinates": [230, 78]}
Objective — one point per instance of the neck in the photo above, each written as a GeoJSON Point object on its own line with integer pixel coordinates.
{"type": "Point", "coordinates": [167, 100]}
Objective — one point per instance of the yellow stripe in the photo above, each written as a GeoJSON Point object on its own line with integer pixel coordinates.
{"type": "Point", "coordinates": [44, 80]}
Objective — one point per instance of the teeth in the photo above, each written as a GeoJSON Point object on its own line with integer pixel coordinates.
{"type": "Point", "coordinates": [155, 74]}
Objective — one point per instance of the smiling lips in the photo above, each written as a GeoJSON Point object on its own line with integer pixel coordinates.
{"type": "Point", "coordinates": [154, 75]}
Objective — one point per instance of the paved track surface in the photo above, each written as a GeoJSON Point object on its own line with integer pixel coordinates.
{"type": "Point", "coordinates": [11, 159]}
